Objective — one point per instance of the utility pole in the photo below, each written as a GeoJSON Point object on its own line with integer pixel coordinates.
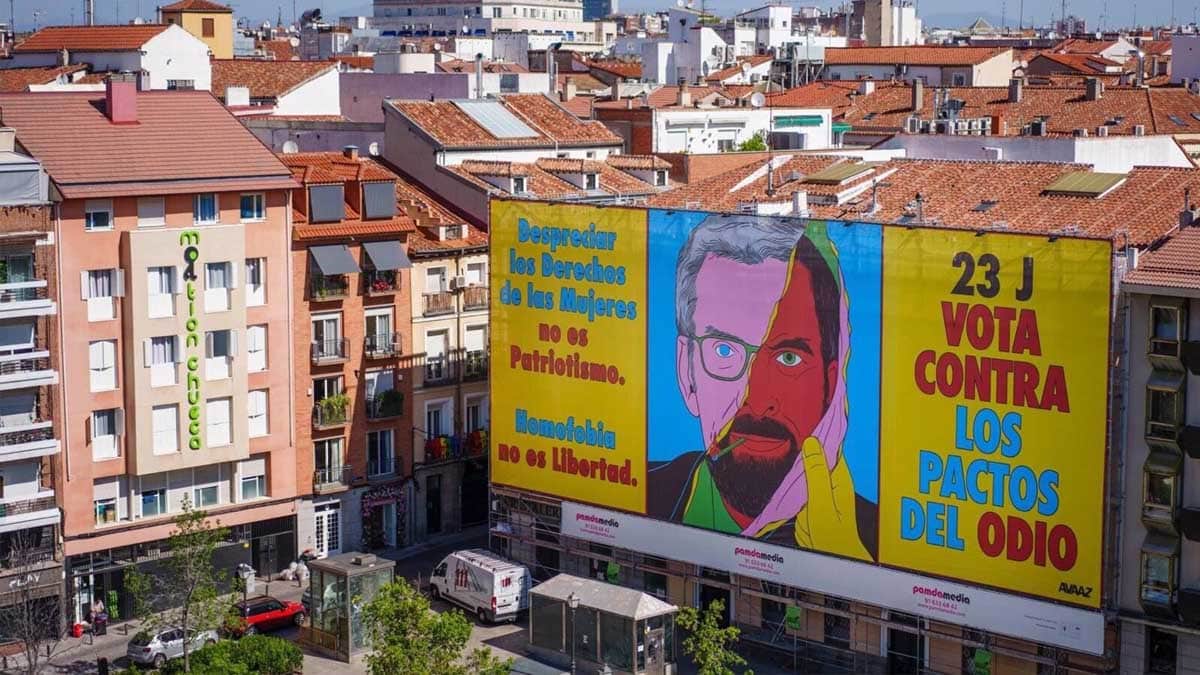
{"type": "Point", "coordinates": [1021, 15]}
{"type": "Point", "coordinates": [89, 13]}
{"type": "Point", "coordinates": [1062, 17]}
{"type": "Point", "coordinates": [12, 18]}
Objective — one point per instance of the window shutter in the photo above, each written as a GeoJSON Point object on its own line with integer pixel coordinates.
{"type": "Point", "coordinates": [178, 280]}
{"type": "Point", "coordinates": [119, 420]}
{"type": "Point", "coordinates": [178, 350]}
{"type": "Point", "coordinates": [148, 351]}
{"type": "Point", "coordinates": [119, 282]}
{"type": "Point", "coordinates": [83, 285]}
{"type": "Point", "coordinates": [233, 344]}
{"type": "Point", "coordinates": [208, 345]}
{"type": "Point", "coordinates": [88, 430]}
{"type": "Point", "coordinates": [233, 275]}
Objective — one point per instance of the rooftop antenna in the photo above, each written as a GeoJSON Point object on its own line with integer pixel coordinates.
{"type": "Point", "coordinates": [1021, 15]}
{"type": "Point", "coordinates": [89, 13]}
{"type": "Point", "coordinates": [37, 14]}
{"type": "Point", "coordinates": [12, 17]}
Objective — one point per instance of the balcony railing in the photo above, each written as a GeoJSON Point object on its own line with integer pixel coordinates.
{"type": "Point", "coordinates": [23, 506]}
{"type": "Point", "coordinates": [330, 351]}
{"type": "Point", "coordinates": [475, 365]}
{"type": "Point", "coordinates": [331, 478]}
{"type": "Point", "coordinates": [439, 303]}
{"type": "Point", "coordinates": [438, 370]}
{"type": "Point", "coordinates": [24, 291]}
{"type": "Point", "coordinates": [475, 297]}
{"type": "Point", "coordinates": [385, 404]}
{"type": "Point", "coordinates": [329, 413]}
{"type": "Point", "coordinates": [382, 346]}
{"type": "Point", "coordinates": [17, 433]}
{"type": "Point", "coordinates": [446, 448]}
{"type": "Point", "coordinates": [29, 369]}
{"type": "Point", "coordinates": [328, 287]}
{"type": "Point", "coordinates": [376, 282]}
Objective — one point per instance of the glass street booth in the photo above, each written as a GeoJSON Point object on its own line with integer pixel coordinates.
{"type": "Point", "coordinates": [339, 587]}
{"type": "Point", "coordinates": [591, 625]}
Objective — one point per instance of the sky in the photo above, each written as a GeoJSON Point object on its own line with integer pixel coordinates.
{"type": "Point", "coordinates": [947, 13]}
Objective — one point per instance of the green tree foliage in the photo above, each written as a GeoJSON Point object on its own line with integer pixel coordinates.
{"type": "Point", "coordinates": [189, 584]}
{"type": "Point", "coordinates": [710, 645]}
{"type": "Point", "coordinates": [406, 637]}
{"type": "Point", "coordinates": [251, 655]}
{"type": "Point", "coordinates": [756, 143]}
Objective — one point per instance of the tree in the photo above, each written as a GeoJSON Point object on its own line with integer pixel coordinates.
{"type": "Point", "coordinates": [27, 616]}
{"type": "Point", "coordinates": [189, 586]}
{"type": "Point", "coordinates": [756, 143]}
{"type": "Point", "coordinates": [707, 642]}
{"type": "Point", "coordinates": [407, 637]}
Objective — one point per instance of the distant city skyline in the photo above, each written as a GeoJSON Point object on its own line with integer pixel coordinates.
{"type": "Point", "coordinates": [937, 13]}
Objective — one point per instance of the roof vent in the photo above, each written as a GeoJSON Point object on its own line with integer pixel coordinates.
{"type": "Point", "coordinates": [1139, 130]}
{"type": "Point", "coordinates": [1102, 130]}
{"type": "Point", "coordinates": [364, 559]}
{"type": "Point", "coordinates": [350, 152]}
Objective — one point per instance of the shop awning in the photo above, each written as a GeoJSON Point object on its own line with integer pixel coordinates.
{"type": "Point", "coordinates": [841, 127]}
{"type": "Point", "coordinates": [799, 121]}
{"type": "Point", "coordinates": [387, 255]}
{"type": "Point", "coordinates": [335, 259]}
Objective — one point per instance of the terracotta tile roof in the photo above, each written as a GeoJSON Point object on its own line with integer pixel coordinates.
{"type": "Point", "coordinates": [282, 50]}
{"type": "Point", "coordinates": [425, 243]}
{"type": "Point", "coordinates": [833, 94]}
{"type": "Point", "coordinates": [1145, 205]}
{"type": "Point", "coordinates": [1083, 46]}
{"type": "Point", "coordinates": [19, 79]}
{"type": "Point", "coordinates": [94, 78]}
{"type": "Point", "coordinates": [180, 136]}
{"type": "Point", "coordinates": [629, 70]}
{"type": "Point", "coordinates": [333, 167]}
{"type": "Point", "coordinates": [468, 66]}
{"type": "Point", "coordinates": [355, 61]}
{"type": "Point", "coordinates": [668, 96]}
{"type": "Point", "coordinates": [547, 179]}
{"type": "Point", "coordinates": [481, 167]}
{"type": "Point", "coordinates": [568, 165]}
{"type": "Point", "coordinates": [1066, 108]}
{"type": "Point", "coordinates": [450, 127]}
{"type": "Point", "coordinates": [1077, 63]}
{"type": "Point", "coordinates": [1074, 79]}
{"type": "Point", "coordinates": [583, 82]}
{"type": "Point", "coordinates": [266, 79]}
{"type": "Point", "coordinates": [580, 106]}
{"type": "Point", "coordinates": [637, 162]}
{"type": "Point", "coordinates": [1160, 47]}
{"type": "Point", "coordinates": [195, 6]}
{"type": "Point", "coordinates": [736, 69]}
{"type": "Point", "coordinates": [90, 38]}
{"type": "Point", "coordinates": [326, 168]}
{"type": "Point", "coordinates": [913, 56]}
{"type": "Point", "coordinates": [1175, 264]}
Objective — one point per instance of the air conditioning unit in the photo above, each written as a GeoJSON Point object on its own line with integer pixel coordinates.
{"type": "Point", "coordinates": [1037, 128]}
{"type": "Point", "coordinates": [912, 125]}
{"type": "Point", "coordinates": [458, 282]}
{"type": "Point", "coordinates": [1101, 130]}
{"type": "Point", "coordinates": [943, 127]}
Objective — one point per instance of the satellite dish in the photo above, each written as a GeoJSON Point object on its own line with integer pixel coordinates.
{"type": "Point", "coordinates": [757, 100]}
{"type": "Point", "coordinates": [679, 3]}
{"type": "Point", "coordinates": [746, 68]}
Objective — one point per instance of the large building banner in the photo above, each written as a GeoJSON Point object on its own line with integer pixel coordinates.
{"type": "Point", "coordinates": [919, 399]}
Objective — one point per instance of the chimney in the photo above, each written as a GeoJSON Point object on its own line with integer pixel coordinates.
{"type": "Point", "coordinates": [1154, 65]}
{"type": "Point", "coordinates": [1141, 68]}
{"type": "Point", "coordinates": [1014, 90]}
{"type": "Point", "coordinates": [684, 97]}
{"type": "Point", "coordinates": [64, 57]}
{"type": "Point", "coordinates": [629, 104]}
{"type": "Point", "coordinates": [120, 98]}
{"type": "Point", "coordinates": [1093, 89]}
{"type": "Point", "coordinates": [552, 69]}
{"type": "Point", "coordinates": [1139, 130]}
{"type": "Point", "coordinates": [479, 75]}
{"type": "Point", "coordinates": [866, 87]}
{"type": "Point", "coordinates": [237, 96]}
{"type": "Point", "coordinates": [350, 152]}
{"type": "Point", "coordinates": [569, 89]}
{"type": "Point", "coordinates": [8, 139]}
{"type": "Point", "coordinates": [918, 95]}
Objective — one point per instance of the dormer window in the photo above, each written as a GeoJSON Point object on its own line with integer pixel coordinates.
{"type": "Point", "coordinates": [450, 232]}
{"type": "Point", "coordinates": [518, 185]}
{"type": "Point", "coordinates": [660, 178]}
{"type": "Point", "coordinates": [591, 181]}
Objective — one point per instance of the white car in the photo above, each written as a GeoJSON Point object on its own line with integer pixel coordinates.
{"type": "Point", "coordinates": [154, 649]}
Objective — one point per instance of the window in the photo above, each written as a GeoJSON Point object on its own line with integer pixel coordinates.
{"type": "Point", "coordinates": [154, 503]}
{"type": "Point", "coordinates": [496, 12]}
{"type": "Point", "coordinates": [165, 419]}
{"type": "Point", "coordinates": [477, 274]}
{"type": "Point", "coordinates": [379, 453]}
{"type": "Point", "coordinates": [161, 287]}
{"type": "Point", "coordinates": [253, 487]}
{"type": "Point", "coordinates": [208, 27]}
{"type": "Point", "coordinates": [837, 626]}
{"type": "Point", "coordinates": [152, 212]}
{"type": "Point", "coordinates": [1158, 578]}
{"type": "Point", "coordinates": [327, 337]}
{"type": "Point", "coordinates": [98, 288]}
{"type": "Point", "coordinates": [161, 355]}
{"type": "Point", "coordinates": [106, 510]}
{"type": "Point", "coordinates": [102, 364]}
{"type": "Point", "coordinates": [97, 215]}
{"type": "Point", "coordinates": [959, 80]}
{"type": "Point", "coordinates": [379, 200]}
{"type": "Point", "coordinates": [219, 348]}
{"type": "Point", "coordinates": [436, 365]}
{"type": "Point", "coordinates": [106, 427]}
{"type": "Point", "coordinates": [219, 279]}
{"type": "Point", "coordinates": [1163, 414]}
{"type": "Point", "coordinates": [476, 414]}
{"type": "Point", "coordinates": [1165, 330]}
{"type": "Point", "coordinates": [379, 339]}
{"type": "Point", "coordinates": [204, 208]}
{"type": "Point", "coordinates": [435, 280]}
{"type": "Point", "coordinates": [256, 348]}
{"type": "Point", "coordinates": [256, 290]}
{"type": "Point", "coordinates": [256, 402]}
{"type": "Point", "coordinates": [252, 207]}
{"type": "Point", "coordinates": [660, 178]}
{"type": "Point", "coordinates": [207, 495]}
{"type": "Point", "coordinates": [518, 185]}
{"type": "Point", "coordinates": [1162, 649]}
{"type": "Point", "coordinates": [217, 415]}
{"type": "Point", "coordinates": [435, 419]}
{"type": "Point", "coordinates": [185, 85]}
{"type": "Point", "coordinates": [1158, 494]}
{"type": "Point", "coordinates": [591, 181]}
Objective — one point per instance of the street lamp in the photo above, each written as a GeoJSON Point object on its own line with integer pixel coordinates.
{"type": "Point", "coordinates": [573, 603]}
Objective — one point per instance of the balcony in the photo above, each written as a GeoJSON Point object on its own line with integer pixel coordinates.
{"type": "Point", "coordinates": [475, 297]}
{"type": "Point", "coordinates": [30, 369]}
{"type": "Point", "coordinates": [331, 479]}
{"type": "Point", "coordinates": [325, 352]}
{"type": "Point", "coordinates": [438, 370]}
{"type": "Point", "coordinates": [385, 404]}
{"type": "Point", "coordinates": [24, 439]}
{"type": "Point", "coordinates": [437, 304]}
{"type": "Point", "coordinates": [382, 346]}
{"type": "Point", "coordinates": [475, 365]}
{"type": "Point", "coordinates": [25, 298]}
{"type": "Point", "coordinates": [446, 448]}
{"type": "Point", "coordinates": [22, 513]}
{"type": "Point", "coordinates": [328, 287]}
{"type": "Point", "coordinates": [330, 413]}
{"type": "Point", "coordinates": [377, 282]}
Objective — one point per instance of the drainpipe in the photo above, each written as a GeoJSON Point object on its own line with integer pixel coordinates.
{"type": "Point", "coordinates": [56, 210]}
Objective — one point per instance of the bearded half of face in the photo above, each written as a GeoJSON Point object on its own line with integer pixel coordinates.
{"type": "Point", "coordinates": [747, 482]}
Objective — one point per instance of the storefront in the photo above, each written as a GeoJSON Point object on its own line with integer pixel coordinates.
{"type": "Point", "coordinates": [384, 510]}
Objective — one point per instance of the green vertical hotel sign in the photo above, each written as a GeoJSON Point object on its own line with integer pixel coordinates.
{"type": "Point", "coordinates": [190, 241]}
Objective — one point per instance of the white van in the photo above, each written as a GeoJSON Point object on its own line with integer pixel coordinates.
{"type": "Point", "coordinates": [492, 588]}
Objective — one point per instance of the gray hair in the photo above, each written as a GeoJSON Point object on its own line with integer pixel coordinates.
{"type": "Point", "coordinates": [745, 239]}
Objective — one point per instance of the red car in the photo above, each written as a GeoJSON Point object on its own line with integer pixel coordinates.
{"type": "Point", "coordinates": [264, 613]}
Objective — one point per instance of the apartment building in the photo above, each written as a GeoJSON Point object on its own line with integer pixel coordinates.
{"type": "Point", "coordinates": [30, 431]}
{"type": "Point", "coordinates": [350, 280]}
{"type": "Point", "coordinates": [172, 230]}
{"type": "Point", "coordinates": [450, 374]}
{"type": "Point", "coordinates": [210, 21]}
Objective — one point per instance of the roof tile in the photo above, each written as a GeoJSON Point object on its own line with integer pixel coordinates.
{"type": "Point", "coordinates": [913, 56]}
{"type": "Point", "coordinates": [266, 79]}
{"type": "Point", "coordinates": [452, 128]}
{"type": "Point", "coordinates": [90, 38]}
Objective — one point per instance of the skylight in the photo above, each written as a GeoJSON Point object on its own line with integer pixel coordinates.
{"type": "Point", "coordinates": [985, 205]}
{"type": "Point", "coordinates": [1177, 120]}
{"type": "Point", "coordinates": [495, 119]}
{"type": "Point", "coordinates": [1085, 184]}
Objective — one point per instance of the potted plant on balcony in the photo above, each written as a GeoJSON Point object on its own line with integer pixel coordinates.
{"type": "Point", "coordinates": [333, 408]}
{"type": "Point", "coordinates": [381, 284]}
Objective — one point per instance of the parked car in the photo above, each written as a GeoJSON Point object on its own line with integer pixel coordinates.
{"type": "Point", "coordinates": [492, 588]}
{"type": "Point", "coordinates": [154, 649]}
{"type": "Point", "coordinates": [265, 613]}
